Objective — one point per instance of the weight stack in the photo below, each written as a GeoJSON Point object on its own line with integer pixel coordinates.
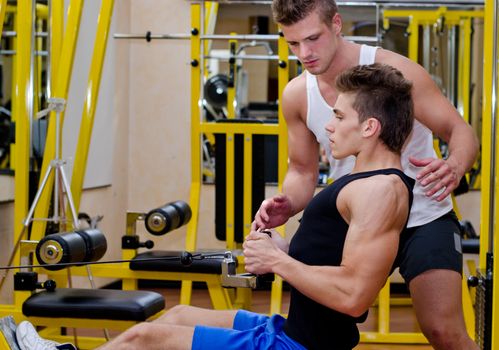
{"type": "Point", "coordinates": [483, 311]}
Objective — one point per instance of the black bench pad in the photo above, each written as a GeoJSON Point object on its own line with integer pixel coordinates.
{"type": "Point", "coordinates": [108, 304]}
{"type": "Point", "coordinates": [209, 264]}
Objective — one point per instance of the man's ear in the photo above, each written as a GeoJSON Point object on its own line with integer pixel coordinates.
{"type": "Point", "coordinates": [337, 24]}
{"type": "Point", "coordinates": [371, 127]}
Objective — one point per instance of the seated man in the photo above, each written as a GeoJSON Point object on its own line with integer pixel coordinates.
{"type": "Point", "coordinates": [344, 248]}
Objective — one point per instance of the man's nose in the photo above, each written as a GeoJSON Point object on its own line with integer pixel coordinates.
{"type": "Point", "coordinates": [330, 126]}
{"type": "Point", "coordinates": [304, 51]}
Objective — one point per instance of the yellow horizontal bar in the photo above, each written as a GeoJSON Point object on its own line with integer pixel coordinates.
{"type": "Point", "coordinates": [80, 323]}
{"type": "Point", "coordinates": [432, 15]}
{"type": "Point", "coordinates": [241, 128]}
{"type": "Point", "coordinates": [393, 337]}
{"type": "Point", "coordinates": [83, 342]}
{"type": "Point", "coordinates": [123, 271]}
{"type": "Point", "coordinates": [41, 10]}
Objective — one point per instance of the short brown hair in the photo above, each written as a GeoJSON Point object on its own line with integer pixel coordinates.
{"type": "Point", "coordinates": [383, 93]}
{"type": "Point", "coordinates": [289, 12]}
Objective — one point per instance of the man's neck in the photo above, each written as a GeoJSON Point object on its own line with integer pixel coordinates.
{"type": "Point", "coordinates": [346, 56]}
{"type": "Point", "coordinates": [377, 157]}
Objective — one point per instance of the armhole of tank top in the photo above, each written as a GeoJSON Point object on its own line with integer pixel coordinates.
{"type": "Point", "coordinates": [309, 79]}
{"type": "Point", "coordinates": [370, 52]}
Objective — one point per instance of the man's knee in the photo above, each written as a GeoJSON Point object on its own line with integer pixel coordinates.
{"type": "Point", "coordinates": [444, 337]}
{"type": "Point", "coordinates": [136, 336]}
{"type": "Point", "coordinates": [174, 315]}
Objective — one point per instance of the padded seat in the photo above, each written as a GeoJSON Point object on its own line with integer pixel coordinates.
{"type": "Point", "coordinates": [210, 264]}
{"type": "Point", "coordinates": [94, 304]}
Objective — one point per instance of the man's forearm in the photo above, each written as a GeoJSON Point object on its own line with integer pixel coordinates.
{"type": "Point", "coordinates": [300, 188]}
{"type": "Point", "coordinates": [463, 148]}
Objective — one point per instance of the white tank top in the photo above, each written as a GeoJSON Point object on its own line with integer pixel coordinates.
{"type": "Point", "coordinates": [420, 145]}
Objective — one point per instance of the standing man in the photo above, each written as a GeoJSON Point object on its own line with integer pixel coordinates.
{"type": "Point", "coordinates": [432, 259]}
{"type": "Point", "coordinates": [343, 251]}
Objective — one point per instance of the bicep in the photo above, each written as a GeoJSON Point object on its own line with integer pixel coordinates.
{"type": "Point", "coordinates": [303, 148]}
{"type": "Point", "coordinates": [431, 107]}
{"type": "Point", "coordinates": [378, 215]}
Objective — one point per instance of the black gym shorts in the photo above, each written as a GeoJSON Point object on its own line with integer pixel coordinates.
{"type": "Point", "coordinates": [435, 245]}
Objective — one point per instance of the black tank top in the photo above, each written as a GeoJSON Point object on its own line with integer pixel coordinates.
{"type": "Point", "coordinates": [319, 241]}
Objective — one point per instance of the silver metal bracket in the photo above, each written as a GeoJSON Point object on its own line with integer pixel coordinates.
{"type": "Point", "coordinates": [231, 279]}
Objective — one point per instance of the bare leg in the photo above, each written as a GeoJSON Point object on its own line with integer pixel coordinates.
{"type": "Point", "coordinates": [186, 315]}
{"type": "Point", "coordinates": [436, 296]}
{"type": "Point", "coordinates": [152, 336]}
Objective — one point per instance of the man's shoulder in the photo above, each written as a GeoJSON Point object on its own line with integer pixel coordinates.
{"type": "Point", "coordinates": [410, 69]}
{"type": "Point", "coordinates": [298, 84]}
{"type": "Point", "coordinates": [390, 187]}
{"type": "Point", "coordinates": [295, 92]}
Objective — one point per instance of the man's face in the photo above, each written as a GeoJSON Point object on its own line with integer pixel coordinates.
{"type": "Point", "coordinates": [313, 41]}
{"type": "Point", "coordinates": [344, 130]}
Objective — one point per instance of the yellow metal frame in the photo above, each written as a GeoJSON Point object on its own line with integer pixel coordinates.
{"type": "Point", "coordinates": [416, 19]}
{"type": "Point", "coordinates": [231, 89]}
{"type": "Point", "coordinates": [486, 182]}
{"type": "Point", "coordinates": [21, 110]}
{"type": "Point", "coordinates": [219, 296]}
{"type": "Point", "coordinates": [198, 128]}
{"type": "Point", "coordinates": [54, 324]}
{"type": "Point", "coordinates": [60, 90]}
{"type": "Point", "coordinates": [90, 104]}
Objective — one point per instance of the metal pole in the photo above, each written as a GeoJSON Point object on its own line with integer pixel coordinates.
{"type": "Point", "coordinates": [426, 47]}
{"type": "Point", "coordinates": [451, 64]}
{"type": "Point", "coordinates": [493, 133]}
{"type": "Point", "coordinates": [240, 37]}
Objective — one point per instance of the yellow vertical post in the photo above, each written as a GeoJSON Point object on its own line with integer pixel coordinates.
{"type": "Point", "coordinates": [3, 8]}
{"type": "Point", "coordinates": [469, 313]}
{"type": "Point", "coordinates": [487, 213]}
{"type": "Point", "coordinates": [486, 181]}
{"type": "Point", "coordinates": [38, 67]}
{"type": "Point", "coordinates": [282, 146]}
{"type": "Point", "coordinates": [463, 85]}
{"type": "Point", "coordinates": [231, 88]}
{"type": "Point", "coordinates": [413, 31]}
{"type": "Point", "coordinates": [229, 193]}
{"type": "Point", "coordinates": [90, 104]}
{"type": "Point", "coordinates": [21, 108]}
{"type": "Point", "coordinates": [61, 91]}
{"type": "Point", "coordinates": [209, 28]}
{"type": "Point", "coordinates": [384, 309]}
{"type": "Point", "coordinates": [13, 9]}
{"type": "Point", "coordinates": [493, 163]}
{"type": "Point", "coordinates": [56, 27]}
{"type": "Point", "coordinates": [190, 243]}
{"type": "Point", "coordinates": [248, 183]}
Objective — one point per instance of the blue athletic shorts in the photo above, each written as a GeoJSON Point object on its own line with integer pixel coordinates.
{"type": "Point", "coordinates": [250, 331]}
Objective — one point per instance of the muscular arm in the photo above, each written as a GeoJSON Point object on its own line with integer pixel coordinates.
{"type": "Point", "coordinates": [434, 110]}
{"type": "Point", "coordinates": [301, 178]}
{"type": "Point", "coordinates": [303, 150]}
{"type": "Point", "coordinates": [376, 209]}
